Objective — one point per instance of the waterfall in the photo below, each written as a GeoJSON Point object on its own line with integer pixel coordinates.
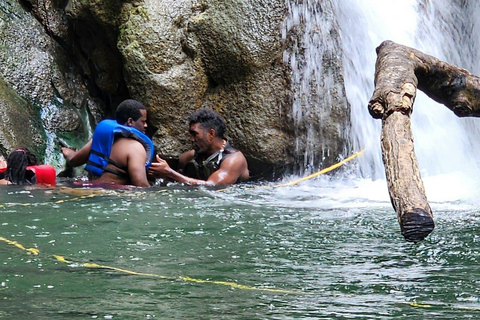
{"type": "Point", "coordinates": [445, 145]}
{"type": "Point", "coordinates": [311, 28]}
{"type": "Point", "coordinates": [363, 26]}
{"type": "Point", "coordinates": [445, 141]}
{"type": "Point", "coordinates": [51, 155]}
{"type": "Point", "coordinates": [49, 114]}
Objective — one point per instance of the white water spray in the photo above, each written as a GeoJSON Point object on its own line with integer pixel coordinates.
{"type": "Point", "coordinates": [313, 84]}
{"type": "Point", "coordinates": [443, 142]}
{"type": "Point", "coordinates": [445, 145]}
{"type": "Point", "coordinates": [363, 26]}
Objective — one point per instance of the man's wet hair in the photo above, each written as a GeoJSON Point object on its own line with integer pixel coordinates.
{"type": "Point", "coordinates": [17, 162]}
{"type": "Point", "coordinates": [208, 119]}
{"type": "Point", "coordinates": [129, 109]}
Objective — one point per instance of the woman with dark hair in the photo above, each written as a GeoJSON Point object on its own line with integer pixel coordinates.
{"type": "Point", "coordinates": [23, 168]}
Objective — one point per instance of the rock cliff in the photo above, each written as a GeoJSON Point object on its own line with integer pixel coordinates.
{"type": "Point", "coordinates": [65, 65]}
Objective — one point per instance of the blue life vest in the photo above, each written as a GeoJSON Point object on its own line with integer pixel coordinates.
{"type": "Point", "coordinates": [102, 141]}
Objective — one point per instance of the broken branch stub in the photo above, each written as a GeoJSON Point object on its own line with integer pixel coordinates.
{"type": "Point", "coordinates": [396, 65]}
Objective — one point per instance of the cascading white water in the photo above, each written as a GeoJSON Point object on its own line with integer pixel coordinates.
{"type": "Point", "coordinates": [363, 26]}
{"type": "Point", "coordinates": [49, 114]}
{"type": "Point", "coordinates": [445, 145]}
{"type": "Point", "coordinates": [444, 142]}
{"type": "Point", "coordinates": [51, 155]}
{"type": "Point", "coordinates": [312, 23]}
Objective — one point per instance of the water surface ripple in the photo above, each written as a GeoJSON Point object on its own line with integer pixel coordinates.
{"type": "Point", "coordinates": [330, 253]}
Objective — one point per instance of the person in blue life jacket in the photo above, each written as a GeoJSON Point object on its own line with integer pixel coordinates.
{"type": "Point", "coordinates": [22, 168]}
{"type": "Point", "coordinates": [119, 152]}
{"type": "Point", "coordinates": [212, 161]}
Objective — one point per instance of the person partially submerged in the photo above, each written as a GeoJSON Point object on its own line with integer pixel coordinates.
{"type": "Point", "coordinates": [22, 168]}
{"type": "Point", "coordinates": [119, 152]}
{"type": "Point", "coordinates": [212, 161]}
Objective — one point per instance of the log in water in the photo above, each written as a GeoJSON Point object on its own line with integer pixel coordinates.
{"type": "Point", "coordinates": [399, 71]}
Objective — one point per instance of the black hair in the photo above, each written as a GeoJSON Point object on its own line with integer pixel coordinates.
{"type": "Point", "coordinates": [17, 163]}
{"type": "Point", "coordinates": [129, 109]}
{"type": "Point", "coordinates": [208, 119]}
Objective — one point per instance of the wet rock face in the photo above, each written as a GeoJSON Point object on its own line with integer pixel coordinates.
{"type": "Point", "coordinates": [18, 127]}
{"type": "Point", "coordinates": [26, 54]}
{"type": "Point", "coordinates": [175, 56]}
{"type": "Point", "coordinates": [237, 38]}
{"type": "Point", "coordinates": [36, 75]}
{"type": "Point", "coordinates": [183, 55]}
{"type": "Point", "coordinates": [25, 62]}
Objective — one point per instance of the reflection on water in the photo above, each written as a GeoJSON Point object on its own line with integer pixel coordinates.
{"type": "Point", "coordinates": [331, 249]}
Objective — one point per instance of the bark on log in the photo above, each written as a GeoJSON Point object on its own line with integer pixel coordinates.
{"type": "Point", "coordinates": [399, 71]}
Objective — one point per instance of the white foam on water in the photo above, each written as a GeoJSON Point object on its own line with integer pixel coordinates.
{"type": "Point", "coordinates": [444, 144]}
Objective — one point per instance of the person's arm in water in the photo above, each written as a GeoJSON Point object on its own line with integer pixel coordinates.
{"type": "Point", "coordinates": [231, 169]}
{"type": "Point", "coordinates": [79, 157]}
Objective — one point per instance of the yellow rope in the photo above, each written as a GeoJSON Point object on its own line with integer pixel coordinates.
{"type": "Point", "coordinates": [339, 164]}
{"type": "Point", "coordinates": [18, 245]}
{"type": "Point", "coordinates": [8, 205]}
{"type": "Point", "coordinates": [295, 182]}
{"type": "Point", "coordinates": [183, 278]}
{"type": "Point", "coordinates": [95, 193]}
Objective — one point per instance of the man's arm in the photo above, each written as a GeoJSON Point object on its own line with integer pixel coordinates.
{"type": "Point", "coordinates": [77, 158]}
{"type": "Point", "coordinates": [161, 169]}
{"type": "Point", "coordinates": [136, 160]}
{"type": "Point", "coordinates": [3, 163]}
{"type": "Point", "coordinates": [230, 170]}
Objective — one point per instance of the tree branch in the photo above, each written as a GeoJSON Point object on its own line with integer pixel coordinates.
{"type": "Point", "coordinates": [399, 71]}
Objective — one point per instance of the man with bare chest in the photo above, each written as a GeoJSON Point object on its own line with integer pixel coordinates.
{"type": "Point", "coordinates": [212, 161]}
{"type": "Point", "coordinates": [119, 152]}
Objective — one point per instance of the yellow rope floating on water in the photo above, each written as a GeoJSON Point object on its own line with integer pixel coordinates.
{"type": "Point", "coordinates": [8, 205]}
{"type": "Point", "coordinates": [184, 278]}
{"type": "Point", "coordinates": [339, 164]}
{"type": "Point", "coordinates": [121, 270]}
{"type": "Point", "coordinates": [18, 245]}
{"type": "Point", "coordinates": [94, 194]}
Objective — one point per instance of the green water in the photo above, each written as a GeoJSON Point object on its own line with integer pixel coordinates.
{"type": "Point", "coordinates": [298, 253]}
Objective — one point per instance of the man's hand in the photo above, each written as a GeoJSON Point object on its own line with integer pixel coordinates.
{"type": "Point", "coordinates": [77, 158]}
{"type": "Point", "coordinates": [68, 153]}
{"type": "Point", "coordinates": [159, 169]}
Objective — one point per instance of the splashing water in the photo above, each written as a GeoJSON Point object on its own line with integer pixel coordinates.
{"type": "Point", "coordinates": [313, 83]}
{"type": "Point", "coordinates": [444, 144]}
{"type": "Point", "coordinates": [363, 26]}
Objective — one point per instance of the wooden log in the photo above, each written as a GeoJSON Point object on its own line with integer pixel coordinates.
{"type": "Point", "coordinates": [397, 65]}
{"type": "Point", "coordinates": [405, 185]}
{"type": "Point", "coordinates": [399, 71]}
